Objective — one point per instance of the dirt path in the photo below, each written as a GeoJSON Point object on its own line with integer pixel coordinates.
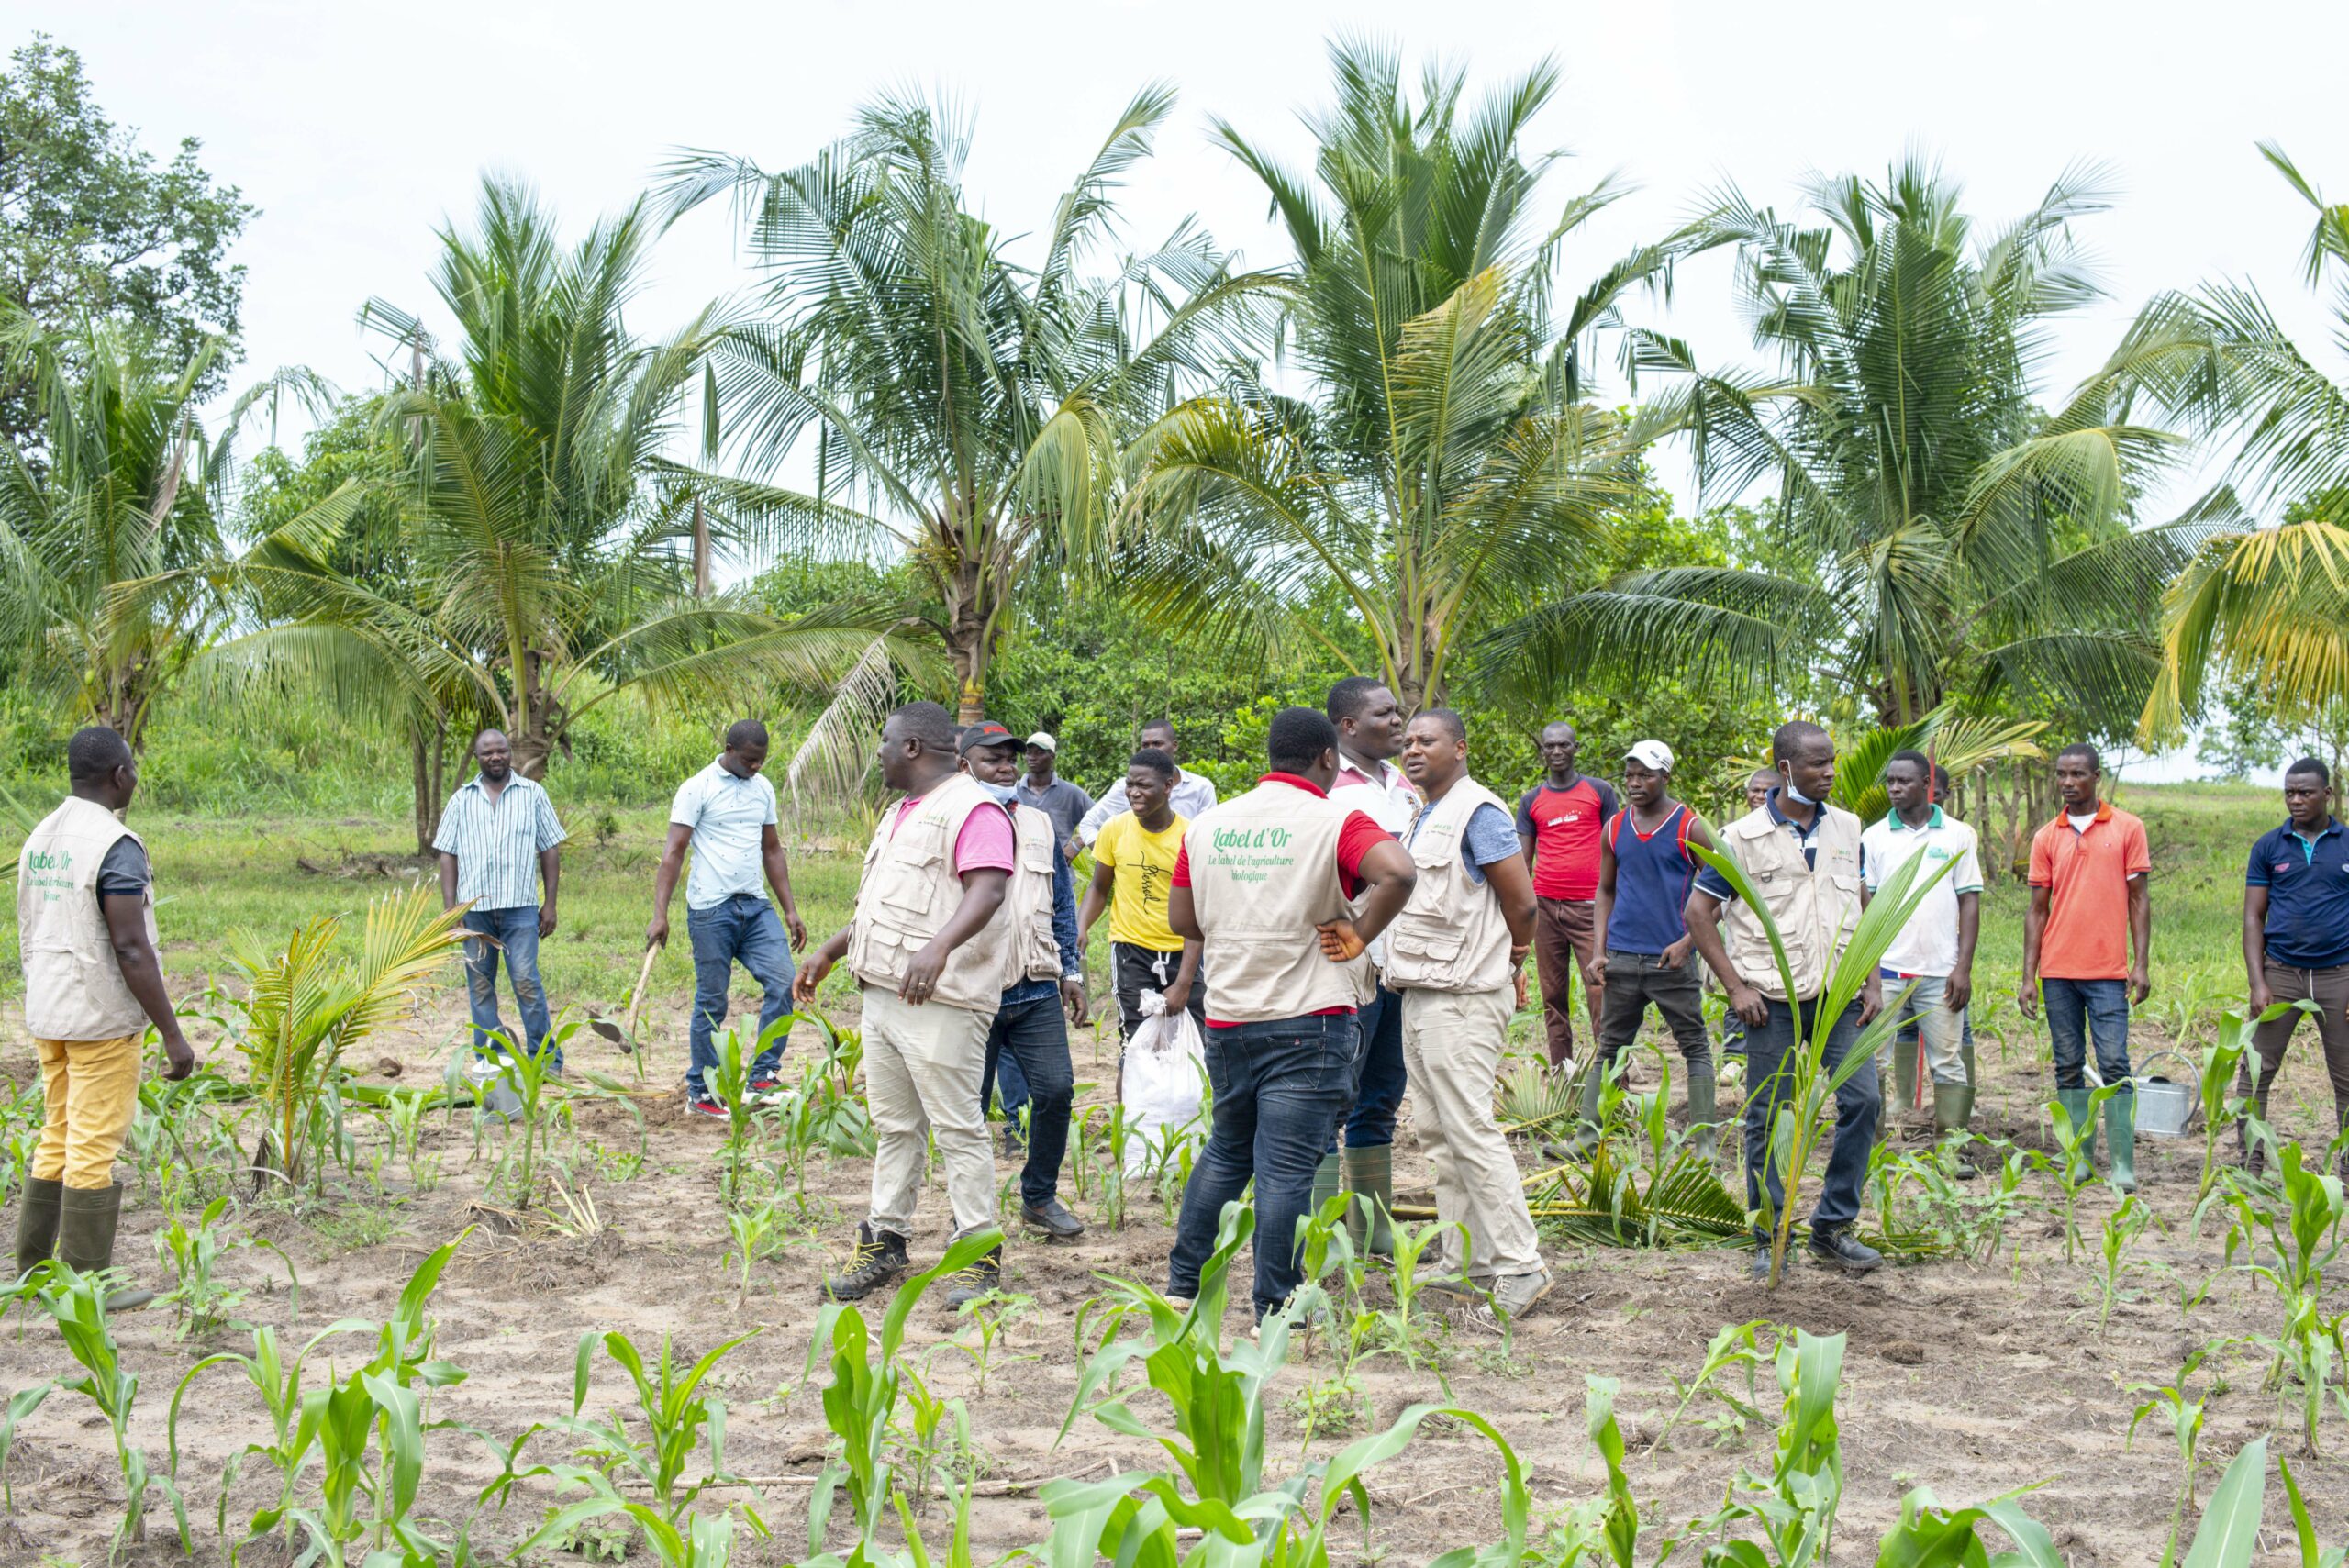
{"type": "Point", "coordinates": [1970, 1379]}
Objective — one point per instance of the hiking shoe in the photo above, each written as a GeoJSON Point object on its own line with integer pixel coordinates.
{"type": "Point", "coordinates": [705, 1104]}
{"type": "Point", "coordinates": [982, 1277]}
{"type": "Point", "coordinates": [1518, 1295]}
{"type": "Point", "coordinates": [1840, 1249]}
{"type": "Point", "coordinates": [879, 1258]}
{"type": "Point", "coordinates": [1051, 1217]}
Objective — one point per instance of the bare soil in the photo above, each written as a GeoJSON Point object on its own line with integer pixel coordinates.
{"type": "Point", "coordinates": [1973, 1379]}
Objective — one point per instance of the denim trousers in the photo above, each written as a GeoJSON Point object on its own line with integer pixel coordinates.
{"type": "Point", "coordinates": [1380, 1077]}
{"type": "Point", "coordinates": [515, 933]}
{"type": "Point", "coordinates": [1031, 1038]}
{"type": "Point", "coordinates": [744, 927]}
{"type": "Point", "coordinates": [1770, 1079]}
{"type": "Point", "coordinates": [1001, 1079]}
{"type": "Point", "coordinates": [2077, 1011]}
{"type": "Point", "coordinates": [1925, 1015]}
{"type": "Point", "coordinates": [1280, 1090]}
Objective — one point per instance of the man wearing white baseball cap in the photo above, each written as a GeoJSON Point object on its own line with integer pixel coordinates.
{"type": "Point", "coordinates": [1057, 798]}
{"type": "Point", "coordinates": [1645, 868]}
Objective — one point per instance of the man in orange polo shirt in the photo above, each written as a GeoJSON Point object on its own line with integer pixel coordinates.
{"type": "Point", "coordinates": [2087, 946]}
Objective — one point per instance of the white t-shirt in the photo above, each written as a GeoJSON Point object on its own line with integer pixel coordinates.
{"type": "Point", "coordinates": [2082, 823]}
{"type": "Point", "coordinates": [729, 817]}
{"type": "Point", "coordinates": [1928, 943]}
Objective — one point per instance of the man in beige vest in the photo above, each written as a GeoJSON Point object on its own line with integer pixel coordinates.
{"type": "Point", "coordinates": [1452, 954]}
{"type": "Point", "coordinates": [85, 927]}
{"type": "Point", "coordinates": [932, 960]}
{"type": "Point", "coordinates": [1802, 856]}
{"type": "Point", "coordinates": [1283, 888]}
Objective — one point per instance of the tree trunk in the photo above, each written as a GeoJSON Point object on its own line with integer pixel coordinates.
{"type": "Point", "coordinates": [428, 751]}
{"type": "Point", "coordinates": [701, 551]}
{"type": "Point", "coordinates": [967, 638]}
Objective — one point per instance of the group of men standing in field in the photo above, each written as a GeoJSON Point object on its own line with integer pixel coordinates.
{"type": "Point", "coordinates": [1348, 933]}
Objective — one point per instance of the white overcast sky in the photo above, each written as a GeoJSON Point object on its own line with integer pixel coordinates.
{"type": "Point", "coordinates": [358, 129]}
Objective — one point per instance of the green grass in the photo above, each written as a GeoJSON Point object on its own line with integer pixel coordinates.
{"type": "Point", "coordinates": [218, 877]}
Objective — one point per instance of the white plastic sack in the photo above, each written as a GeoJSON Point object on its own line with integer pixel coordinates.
{"type": "Point", "coordinates": [1166, 1079]}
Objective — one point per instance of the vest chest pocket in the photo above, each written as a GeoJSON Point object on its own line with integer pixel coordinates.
{"type": "Point", "coordinates": [912, 885]}
{"type": "Point", "coordinates": [1428, 939]}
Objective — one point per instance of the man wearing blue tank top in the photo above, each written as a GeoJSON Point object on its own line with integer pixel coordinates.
{"type": "Point", "coordinates": [1644, 871]}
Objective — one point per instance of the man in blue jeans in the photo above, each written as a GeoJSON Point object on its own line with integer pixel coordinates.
{"type": "Point", "coordinates": [726, 814]}
{"type": "Point", "coordinates": [1029, 1034]}
{"type": "Point", "coordinates": [1802, 857]}
{"type": "Point", "coordinates": [2087, 943]}
{"type": "Point", "coordinates": [1263, 882]}
{"type": "Point", "coordinates": [499, 840]}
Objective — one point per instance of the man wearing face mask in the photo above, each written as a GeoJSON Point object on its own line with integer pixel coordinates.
{"type": "Point", "coordinates": [1802, 856]}
{"type": "Point", "coordinates": [1047, 977]}
{"type": "Point", "coordinates": [1370, 732]}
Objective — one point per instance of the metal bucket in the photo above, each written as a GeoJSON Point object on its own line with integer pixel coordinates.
{"type": "Point", "coordinates": [2163, 1107]}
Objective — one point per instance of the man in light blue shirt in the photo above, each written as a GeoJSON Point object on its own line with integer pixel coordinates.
{"type": "Point", "coordinates": [725, 813]}
{"type": "Point", "coordinates": [498, 838]}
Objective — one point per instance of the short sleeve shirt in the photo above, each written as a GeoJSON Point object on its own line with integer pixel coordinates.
{"type": "Point", "coordinates": [1062, 801]}
{"type": "Point", "coordinates": [2308, 894]}
{"type": "Point", "coordinates": [124, 872]}
{"type": "Point", "coordinates": [1491, 835]}
{"type": "Point", "coordinates": [985, 843]}
{"type": "Point", "coordinates": [1563, 824]}
{"type": "Point", "coordinates": [1927, 945]}
{"type": "Point", "coordinates": [498, 843]}
{"type": "Point", "coordinates": [1143, 866]}
{"type": "Point", "coordinates": [2086, 872]}
{"type": "Point", "coordinates": [729, 815]}
{"type": "Point", "coordinates": [1357, 836]}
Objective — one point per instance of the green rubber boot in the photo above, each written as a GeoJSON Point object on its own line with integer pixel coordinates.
{"type": "Point", "coordinates": [1703, 1112]}
{"type": "Point", "coordinates": [2076, 1104]}
{"type": "Point", "coordinates": [85, 1226]}
{"type": "Point", "coordinates": [1325, 1181]}
{"type": "Point", "coordinates": [36, 1209]}
{"type": "Point", "coordinates": [2120, 1138]}
{"type": "Point", "coordinates": [1904, 1073]}
{"type": "Point", "coordinates": [1953, 1108]}
{"type": "Point", "coordinates": [1370, 1176]}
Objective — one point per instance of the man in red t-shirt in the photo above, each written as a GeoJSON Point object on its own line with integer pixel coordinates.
{"type": "Point", "coordinates": [1558, 822]}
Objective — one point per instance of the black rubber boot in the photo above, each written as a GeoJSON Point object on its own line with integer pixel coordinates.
{"type": "Point", "coordinates": [85, 1227]}
{"type": "Point", "coordinates": [879, 1258]}
{"type": "Point", "coordinates": [36, 1209]}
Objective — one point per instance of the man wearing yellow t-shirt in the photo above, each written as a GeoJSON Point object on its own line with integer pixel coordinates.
{"type": "Point", "coordinates": [1133, 866]}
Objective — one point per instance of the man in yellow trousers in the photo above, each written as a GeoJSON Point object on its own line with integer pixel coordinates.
{"type": "Point", "coordinates": [85, 926]}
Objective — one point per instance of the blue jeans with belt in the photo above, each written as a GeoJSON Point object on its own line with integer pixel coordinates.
{"type": "Point", "coordinates": [747, 929]}
{"type": "Point", "coordinates": [1280, 1090]}
{"type": "Point", "coordinates": [1380, 1080]}
{"type": "Point", "coordinates": [1858, 1104]}
{"type": "Point", "coordinates": [515, 933]}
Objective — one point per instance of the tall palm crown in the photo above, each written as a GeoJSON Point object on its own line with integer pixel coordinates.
{"type": "Point", "coordinates": [548, 523]}
{"type": "Point", "coordinates": [1442, 456]}
{"type": "Point", "coordinates": [125, 490]}
{"type": "Point", "coordinates": [2271, 603]}
{"type": "Point", "coordinates": [965, 406]}
{"type": "Point", "coordinates": [1946, 530]}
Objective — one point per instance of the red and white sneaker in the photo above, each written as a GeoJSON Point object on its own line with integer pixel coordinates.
{"type": "Point", "coordinates": [765, 1085]}
{"type": "Point", "coordinates": [706, 1104]}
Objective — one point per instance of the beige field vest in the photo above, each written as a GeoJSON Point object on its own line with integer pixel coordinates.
{"type": "Point", "coordinates": [73, 986]}
{"type": "Point", "coordinates": [1263, 873]}
{"type": "Point", "coordinates": [1028, 903]}
{"type": "Point", "coordinates": [909, 889]}
{"type": "Point", "coordinates": [1815, 905]}
{"type": "Point", "coordinates": [1451, 935]}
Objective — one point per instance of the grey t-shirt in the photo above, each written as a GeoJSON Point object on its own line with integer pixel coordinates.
{"type": "Point", "coordinates": [124, 873]}
{"type": "Point", "coordinates": [1062, 801]}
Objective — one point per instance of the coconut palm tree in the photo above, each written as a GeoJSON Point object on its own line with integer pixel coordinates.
{"type": "Point", "coordinates": [965, 406]}
{"type": "Point", "coordinates": [548, 530]}
{"type": "Point", "coordinates": [125, 486]}
{"type": "Point", "coordinates": [1444, 456]}
{"type": "Point", "coordinates": [1944, 531]}
{"type": "Point", "coordinates": [2268, 604]}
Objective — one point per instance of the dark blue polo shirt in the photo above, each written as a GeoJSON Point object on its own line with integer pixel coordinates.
{"type": "Point", "coordinates": [2308, 894]}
